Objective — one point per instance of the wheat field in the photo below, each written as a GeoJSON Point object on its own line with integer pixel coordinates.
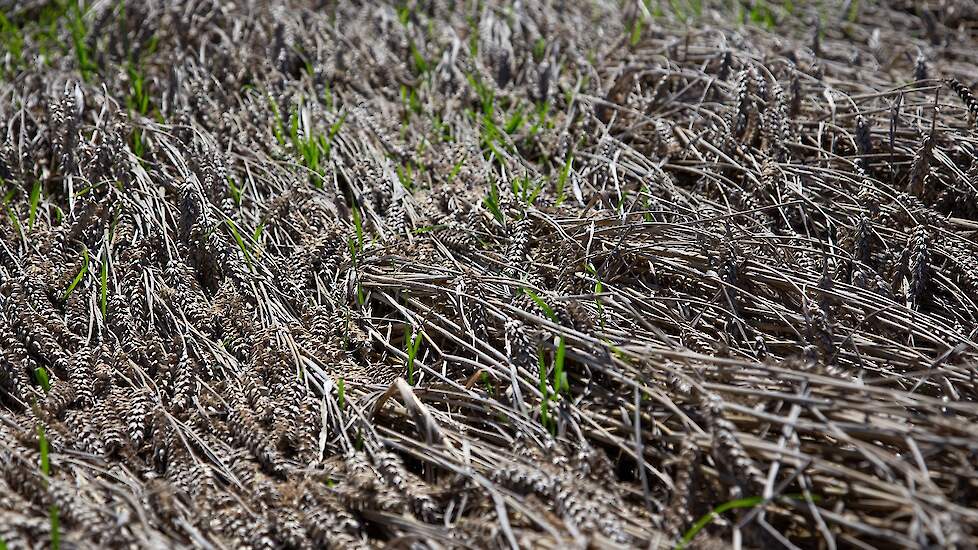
{"type": "Point", "coordinates": [484, 274]}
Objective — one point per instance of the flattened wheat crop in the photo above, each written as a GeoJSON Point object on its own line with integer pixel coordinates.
{"type": "Point", "coordinates": [486, 274]}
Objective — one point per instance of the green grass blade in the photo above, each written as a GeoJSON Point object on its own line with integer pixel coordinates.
{"type": "Point", "coordinates": [78, 278]}
{"type": "Point", "coordinates": [412, 352]}
{"type": "Point", "coordinates": [358, 225]}
{"type": "Point", "coordinates": [747, 502]}
{"type": "Point", "coordinates": [42, 378]}
{"type": "Point", "coordinates": [79, 38]}
{"type": "Point", "coordinates": [55, 527]}
{"type": "Point", "coordinates": [45, 458]}
{"type": "Point", "coordinates": [562, 178]}
{"type": "Point", "coordinates": [636, 34]}
{"type": "Point", "coordinates": [241, 244]}
{"type": "Point", "coordinates": [35, 199]}
{"type": "Point", "coordinates": [341, 393]}
{"type": "Point", "coordinates": [560, 377]}
{"type": "Point", "coordinates": [103, 294]}
{"type": "Point", "coordinates": [491, 201]}
{"type": "Point", "coordinates": [705, 520]}
{"type": "Point", "coordinates": [543, 305]}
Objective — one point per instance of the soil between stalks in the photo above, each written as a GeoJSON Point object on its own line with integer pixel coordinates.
{"type": "Point", "coordinates": [473, 274]}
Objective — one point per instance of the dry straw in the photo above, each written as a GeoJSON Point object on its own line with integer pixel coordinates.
{"type": "Point", "coordinates": [452, 274]}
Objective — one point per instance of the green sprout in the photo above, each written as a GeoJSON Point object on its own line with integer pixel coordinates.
{"type": "Point", "coordinates": [748, 502]}
{"type": "Point", "coordinates": [81, 274]}
{"type": "Point", "coordinates": [412, 351]}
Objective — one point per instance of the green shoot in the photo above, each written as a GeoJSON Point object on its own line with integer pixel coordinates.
{"type": "Point", "coordinates": [598, 289]}
{"type": "Point", "coordinates": [235, 191]}
{"type": "Point", "coordinates": [256, 236]}
{"type": "Point", "coordinates": [241, 244]}
{"type": "Point", "coordinates": [341, 392]}
{"type": "Point", "coordinates": [79, 35]}
{"type": "Point", "coordinates": [490, 391]}
{"type": "Point", "coordinates": [13, 218]}
{"type": "Point", "coordinates": [492, 202]}
{"type": "Point", "coordinates": [515, 121]}
{"type": "Point", "coordinates": [428, 229]}
{"type": "Point", "coordinates": [442, 131]}
{"type": "Point", "coordinates": [636, 34]}
{"type": "Point", "coordinates": [560, 376]}
{"type": "Point", "coordinates": [352, 244]}
{"type": "Point", "coordinates": [333, 130]}
{"type": "Point", "coordinates": [89, 188]}
{"type": "Point", "coordinates": [456, 168]}
{"type": "Point", "coordinates": [81, 274]}
{"type": "Point", "coordinates": [358, 227]}
{"type": "Point", "coordinates": [560, 383]}
{"type": "Point", "coordinates": [486, 96]}
{"type": "Point", "coordinates": [543, 305]}
{"type": "Point", "coordinates": [762, 15]}
{"type": "Point", "coordinates": [45, 460]}
{"type": "Point", "coordinates": [10, 213]}
{"type": "Point", "coordinates": [539, 49]}
{"type": "Point", "coordinates": [12, 39]}
{"type": "Point", "coordinates": [420, 64]}
{"type": "Point", "coordinates": [409, 96]}
{"type": "Point", "coordinates": [35, 199]}
{"type": "Point", "coordinates": [138, 100]}
{"type": "Point", "coordinates": [55, 527]}
{"type": "Point", "coordinates": [314, 148]}
{"type": "Point", "coordinates": [562, 177]}
{"type": "Point", "coordinates": [103, 279]}
{"type": "Point", "coordinates": [138, 145]}
{"type": "Point", "coordinates": [328, 97]}
{"type": "Point", "coordinates": [473, 35]}
{"type": "Point", "coordinates": [46, 470]}
{"type": "Point", "coordinates": [686, 10]}
{"type": "Point", "coordinates": [277, 127]}
{"type": "Point", "coordinates": [294, 127]}
{"type": "Point", "coordinates": [354, 251]}
{"type": "Point", "coordinates": [748, 502]}
{"type": "Point", "coordinates": [489, 136]}
{"type": "Point", "coordinates": [41, 374]}
{"type": "Point", "coordinates": [412, 351]}
{"type": "Point", "coordinates": [526, 189]}
{"type": "Point", "coordinates": [543, 118]}
{"type": "Point", "coordinates": [124, 27]}
{"type": "Point", "coordinates": [405, 176]}
{"type": "Point", "coordinates": [404, 14]}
